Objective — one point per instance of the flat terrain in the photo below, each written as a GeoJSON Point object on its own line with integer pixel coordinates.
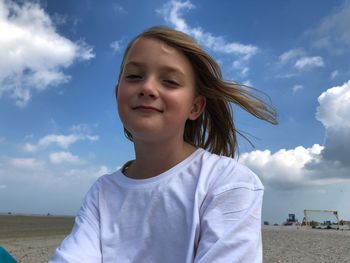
{"type": "Point", "coordinates": [33, 239]}
{"type": "Point", "coordinates": [301, 245]}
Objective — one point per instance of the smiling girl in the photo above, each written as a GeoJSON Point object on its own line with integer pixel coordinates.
{"type": "Point", "coordinates": [183, 198]}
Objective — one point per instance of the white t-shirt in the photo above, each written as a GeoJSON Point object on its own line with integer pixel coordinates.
{"type": "Point", "coordinates": [206, 209]}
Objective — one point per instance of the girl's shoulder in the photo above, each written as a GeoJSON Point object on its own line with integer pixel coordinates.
{"type": "Point", "coordinates": [210, 171]}
{"type": "Point", "coordinates": [105, 181]}
{"type": "Point", "coordinates": [225, 172]}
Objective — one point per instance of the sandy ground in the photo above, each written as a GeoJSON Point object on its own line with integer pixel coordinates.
{"type": "Point", "coordinates": [301, 245]}
{"type": "Point", "coordinates": [34, 239]}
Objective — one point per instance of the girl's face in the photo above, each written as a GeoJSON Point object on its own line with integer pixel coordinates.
{"type": "Point", "coordinates": [156, 92]}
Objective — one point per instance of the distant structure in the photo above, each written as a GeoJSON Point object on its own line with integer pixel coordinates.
{"type": "Point", "coordinates": [291, 220]}
{"type": "Point", "coordinates": [326, 223]}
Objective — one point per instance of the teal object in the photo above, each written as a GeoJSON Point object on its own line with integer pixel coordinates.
{"type": "Point", "coordinates": [5, 256]}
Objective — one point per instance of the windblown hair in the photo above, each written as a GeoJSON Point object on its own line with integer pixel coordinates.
{"type": "Point", "coordinates": [214, 130]}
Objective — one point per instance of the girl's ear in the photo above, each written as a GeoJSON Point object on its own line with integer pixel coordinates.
{"type": "Point", "coordinates": [198, 107]}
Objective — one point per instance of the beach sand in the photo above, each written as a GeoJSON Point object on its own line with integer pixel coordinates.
{"type": "Point", "coordinates": [32, 239]}
{"type": "Point", "coordinates": [284, 244]}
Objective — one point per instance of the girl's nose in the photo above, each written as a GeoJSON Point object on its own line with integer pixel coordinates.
{"type": "Point", "coordinates": [149, 88]}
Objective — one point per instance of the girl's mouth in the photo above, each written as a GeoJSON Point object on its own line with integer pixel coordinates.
{"type": "Point", "coordinates": [147, 109]}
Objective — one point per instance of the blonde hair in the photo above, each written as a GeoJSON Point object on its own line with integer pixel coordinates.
{"type": "Point", "coordinates": [214, 130]}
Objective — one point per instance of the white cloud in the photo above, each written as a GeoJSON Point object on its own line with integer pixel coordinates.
{"type": "Point", "coordinates": [94, 172]}
{"type": "Point", "coordinates": [297, 88]}
{"type": "Point", "coordinates": [28, 147]}
{"type": "Point", "coordinates": [3, 186]}
{"type": "Point", "coordinates": [64, 157]}
{"type": "Point", "coordinates": [241, 67]}
{"type": "Point", "coordinates": [333, 112]}
{"type": "Point", "coordinates": [103, 170]}
{"type": "Point", "coordinates": [285, 168]}
{"type": "Point", "coordinates": [291, 54]}
{"type": "Point", "coordinates": [285, 75]}
{"type": "Point", "coordinates": [83, 128]}
{"type": "Point", "coordinates": [334, 108]}
{"type": "Point", "coordinates": [116, 45]}
{"type": "Point", "coordinates": [320, 164]}
{"type": "Point", "coordinates": [172, 12]}
{"type": "Point", "coordinates": [84, 51]}
{"type": "Point", "coordinates": [309, 62]}
{"type": "Point", "coordinates": [32, 54]}
{"type": "Point", "coordinates": [26, 163]}
{"type": "Point", "coordinates": [63, 141]}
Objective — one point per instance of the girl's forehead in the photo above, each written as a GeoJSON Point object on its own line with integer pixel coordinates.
{"type": "Point", "coordinates": [166, 48]}
{"type": "Point", "coordinates": [143, 42]}
{"type": "Point", "coordinates": [149, 49]}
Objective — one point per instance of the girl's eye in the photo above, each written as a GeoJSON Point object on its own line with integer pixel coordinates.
{"type": "Point", "coordinates": [171, 82]}
{"type": "Point", "coordinates": [133, 77]}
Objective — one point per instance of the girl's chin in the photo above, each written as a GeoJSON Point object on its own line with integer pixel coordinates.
{"type": "Point", "coordinates": [148, 135]}
{"type": "Point", "coordinates": [151, 137]}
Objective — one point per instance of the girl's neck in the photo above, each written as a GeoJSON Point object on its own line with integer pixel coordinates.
{"type": "Point", "coordinates": [154, 159]}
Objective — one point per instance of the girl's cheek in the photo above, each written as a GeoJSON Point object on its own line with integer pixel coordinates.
{"type": "Point", "coordinates": [122, 93]}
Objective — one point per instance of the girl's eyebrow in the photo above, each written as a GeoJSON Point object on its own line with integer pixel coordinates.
{"type": "Point", "coordinates": [168, 69]}
{"type": "Point", "coordinates": [134, 63]}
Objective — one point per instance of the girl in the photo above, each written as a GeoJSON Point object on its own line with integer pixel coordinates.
{"type": "Point", "coordinates": [184, 198]}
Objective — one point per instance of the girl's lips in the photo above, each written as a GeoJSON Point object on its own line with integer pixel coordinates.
{"type": "Point", "coordinates": [147, 109]}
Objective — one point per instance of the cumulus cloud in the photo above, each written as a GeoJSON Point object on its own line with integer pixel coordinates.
{"type": "Point", "coordinates": [172, 12]}
{"type": "Point", "coordinates": [334, 107]}
{"type": "Point", "coordinates": [320, 164]}
{"type": "Point", "coordinates": [334, 113]}
{"type": "Point", "coordinates": [63, 141]}
{"type": "Point", "coordinates": [64, 157]}
{"type": "Point", "coordinates": [32, 54]}
{"type": "Point", "coordinates": [299, 59]}
{"type": "Point", "coordinates": [285, 168]}
{"type": "Point", "coordinates": [309, 62]}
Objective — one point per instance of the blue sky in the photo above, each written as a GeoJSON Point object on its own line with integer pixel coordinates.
{"type": "Point", "coordinates": [59, 128]}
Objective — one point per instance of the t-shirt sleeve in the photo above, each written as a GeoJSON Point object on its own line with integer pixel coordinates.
{"type": "Point", "coordinates": [83, 243]}
{"type": "Point", "coordinates": [231, 225]}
